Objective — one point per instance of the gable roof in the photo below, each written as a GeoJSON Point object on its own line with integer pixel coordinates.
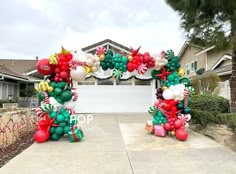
{"type": "Point", "coordinates": [205, 50]}
{"type": "Point", "coordinates": [20, 66]}
{"type": "Point", "coordinates": [223, 58]}
{"type": "Point", "coordinates": [4, 71]}
{"type": "Point", "coordinates": [185, 46]}
{"type": "Point", "coordinates": [105, 42]}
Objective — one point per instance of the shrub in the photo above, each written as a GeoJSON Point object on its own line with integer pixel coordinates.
{"type": "Point", "coordinates": [206, 83]}
{"type": "Point", "coordinates": [5, 101]}
{"type": "Point", "coordinates": [228, 119]}
{"type": "Point", "coordinates": [202, 117]}
{"type": "Point", "coordinates": [211, 103]}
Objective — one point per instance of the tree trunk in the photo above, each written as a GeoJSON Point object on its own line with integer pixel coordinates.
{"type": "Point", "coordinates": [233, 83]}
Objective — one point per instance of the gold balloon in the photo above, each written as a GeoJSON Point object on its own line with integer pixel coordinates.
{"type": "Point", "coordinates": [181, 72]}
{"type": "Point", "coordinates": [64, 51]}
{"type": "Point", "coordinates": [164, 88]}
{"type": "Point", "coordinates": [102, 57]}
{"type": "Point", "coordinates": [53, 59]}
{"type": "Point", "coordinates": [173, 133]}
{"type": "Point", "coordinates": [130, 58]}
{"type": "Point", "coordinates": [88, 69]}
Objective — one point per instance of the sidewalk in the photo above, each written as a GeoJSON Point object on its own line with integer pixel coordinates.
{"type": "Point", "coordinates": [119, 144]}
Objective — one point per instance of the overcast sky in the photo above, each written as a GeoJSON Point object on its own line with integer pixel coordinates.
{"type": "Point", "coordinates": [32, 28]}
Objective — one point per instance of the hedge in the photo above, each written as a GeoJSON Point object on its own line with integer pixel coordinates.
{"type": "Point", "coordinates": [228, 119]}
{"type": "Point", "coordinates": [202, 117]}
{"type": "Point", "coordinates": [211, 103]}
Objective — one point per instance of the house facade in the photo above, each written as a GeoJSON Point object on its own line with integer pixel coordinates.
{"type": "Point", "coordinates": [194, 58]}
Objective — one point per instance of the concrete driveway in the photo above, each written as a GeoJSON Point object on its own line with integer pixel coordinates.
{"type": "Point", "coordinates": [118, 144]}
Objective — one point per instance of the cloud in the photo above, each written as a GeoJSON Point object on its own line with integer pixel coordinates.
{"type": "Point", "coordinates": [39, 27]}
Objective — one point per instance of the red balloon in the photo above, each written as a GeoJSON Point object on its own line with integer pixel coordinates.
{"type": "Point", "coordinates": [167, 126]}
{"type": "Point", "coordinates": [69, 57]}
{"type": "Point", "coordinates": [181, 134]}
{"type": "Point", "coordinates": [56, 79]}
{"type": "Point", "coordinates": [146, 59]}
{"type": "Point", "coordinates": [57, 70]}
{"type": "Point", "coordinates": [177, 124]}
{"type": "Point", "coordinates": [41, 136]}
{"type": "Point", "coordinates": [44, 67]}
{"type": "Point", "coordinates": [64, 68]}
{"type": "Point", "coordinates": [63, 74]}
{"type": "Point", "coordinates": [146, 54]}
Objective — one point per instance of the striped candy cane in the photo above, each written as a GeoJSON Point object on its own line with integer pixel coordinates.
{"type": "Point", "coordinates": [39, 111]}
{"type": "Point", "coordinates": [186, 97]}
{"type": "Point", "coordinates": [75, 94]}
{"type": "Point", "coordinates": [46, 97]}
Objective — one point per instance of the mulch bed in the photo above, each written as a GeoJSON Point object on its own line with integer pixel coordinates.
{"type": "Point", "coordinates": [9, 152]}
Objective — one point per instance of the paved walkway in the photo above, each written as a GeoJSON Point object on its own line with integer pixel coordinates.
{"type": "Point", "coordinates": [118, 144]}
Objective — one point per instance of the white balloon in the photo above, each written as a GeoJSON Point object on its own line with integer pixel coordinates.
{"type": "Point", "coordinates": [70, 104]}
{"type": "Point", "coordinates": [167, 94]}
{"type": "Point", "coordinates": [55, 103]}
{"type": "Point", "coordinates": [89, 62]}
{"type": "Point", "coordinates": [78, 74]}
{"type": "Point", "coordinates": [188, 116]}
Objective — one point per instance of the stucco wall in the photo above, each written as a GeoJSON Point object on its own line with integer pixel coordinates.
{"type": "Point", "coordinates": [189, 56]}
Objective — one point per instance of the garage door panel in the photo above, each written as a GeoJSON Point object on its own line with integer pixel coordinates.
{"type": "Point", "coordinates": [100, 99]}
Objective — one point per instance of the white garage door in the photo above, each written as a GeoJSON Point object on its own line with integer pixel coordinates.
{"type": "Point", "coordinates": [101, 96]}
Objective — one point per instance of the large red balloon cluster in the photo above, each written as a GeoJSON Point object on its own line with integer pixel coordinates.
{"type": "Point", "coordinates": [137, 59]}
{"type": "Point", "coordinates": [62, 71]}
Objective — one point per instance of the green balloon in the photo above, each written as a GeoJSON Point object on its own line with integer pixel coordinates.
{"type": "Point", "coordinates": [175, 59]}
{"type": "Point", "coordinates": [185, 81]}
{"type": "Point", "coordinates": [117, 56]}
{"type": "Point", "coordinates": [170, 77]}
{"type": "Point", "coordinates": [62, 124]}
{"type": "Point", "coordinates": [41, 96]}
{"type": "Point", "coordinates": [61, 85]}
{"type": "Point", "coordinates": [57, 91]}
{"type": "Point", "coordinates": [51, 94]}
{"type": "Point", "coordinates": [60, 118]}
{"type": "Point", "coordinates": [66, 129]}
{"type": "Point", "coordinates": [53, 84]}
{"type": "Point", "coordinates": [52, 130]}
{"type": "Point", "coordinates": [66, 96]}
{"type": "Point", "coordinates": [54, 137]}
{"type": "Point", "coordinates": [59, 131]}
{"type": "Point", "coordinates": [154, 121]}
{"type": "Point", "coordinates": [55, 122]}
{"type": "Point", "coordinates": [180, 105]}
{"type": "Point", "coordinates": [52, 115]}
{"type": "Point", "coordinates": [108, 57]}
{"type": "Point", "coordinates": [117, 65]}
{"type": "Point", "coordinates": [109, 52]}
{"type": "Point", "coordinates": [154, 73]}
{"type": "Point", "coordinates": [124, 60]}
{"type": "Point", "coordinates": [178, 65]}
{"type": "Point", "coordinates": [187, 110]}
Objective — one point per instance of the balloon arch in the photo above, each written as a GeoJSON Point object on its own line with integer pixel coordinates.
{"type": "Point", "coordinates": [170, 112]}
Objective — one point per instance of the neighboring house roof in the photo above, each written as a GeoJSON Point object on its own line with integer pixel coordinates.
{"type": "Point", "coordinates": [4, 71]}
{"type": "Point", "coordinates": [222, 70]}
{"type": "Point", "coordinates": [223, 58]}
{"type": "Point", "coordinates": [20, 66]}
{"type": "Point", "coordinates": [185, 46]}
{"type": "Point", "coordinates": [105, 42]}
{"type": "Point", "coordinates": [205, 50]}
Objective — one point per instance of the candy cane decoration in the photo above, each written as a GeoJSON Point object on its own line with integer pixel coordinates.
{"type": "Point", "coordinates": [186, 97]}
{"type": "Point", "coordinates": [160, 107]}
{"type": "Point", "coordinates": [71, 111]}
{"type": "Point", "coordinates": [39, 112]}
{"type": "Point", "coordinates": [75, 94]}
{"type": "Point", "coordinates": [46, 97]}
{"type": "Point", "coordinates": [100, 51]}
{"type": "Point", "coordinates": [74, 63]}
{"type": "Point", "coordinates": [183, 118]}
{"type": "Point", "coordinates": [142, 69]}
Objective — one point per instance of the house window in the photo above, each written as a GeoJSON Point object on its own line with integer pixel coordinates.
{"type": "Point", "coordinates": [194, 66]}
{"type": "Point", "coordinates": [187, 69]}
